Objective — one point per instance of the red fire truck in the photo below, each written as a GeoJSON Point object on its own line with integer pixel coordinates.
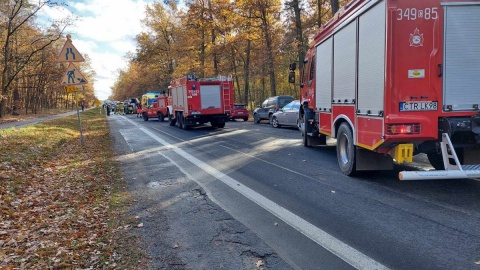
{"type": "Point", "coordinates": [389, 79]}
{"type": "Point", "coordinates": [155, 106]}
{"type": "Point", "coordinates": [198, 101]}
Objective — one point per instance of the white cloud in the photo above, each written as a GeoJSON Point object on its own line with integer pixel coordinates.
{"type": "Point", "coordinates": [105, 31]}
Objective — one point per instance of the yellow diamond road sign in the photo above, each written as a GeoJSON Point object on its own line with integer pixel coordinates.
{"type": "Point", "coordinates": [73, 76]}
{"type": "Point", "coordinates": [69, 53]}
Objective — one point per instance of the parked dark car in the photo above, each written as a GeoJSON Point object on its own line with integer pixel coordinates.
{"type": "Point", "coordinates": [287, 116]}
{"type": "Point", "coordinates": [239, 111]}
{"type": "Point", "coordinates": [269, 107]}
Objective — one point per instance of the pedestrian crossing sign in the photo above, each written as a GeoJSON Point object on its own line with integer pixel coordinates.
{"type": "Point", "coordinates": [69, 53]}
{"type": "Point", "coordinates": [73, 76]}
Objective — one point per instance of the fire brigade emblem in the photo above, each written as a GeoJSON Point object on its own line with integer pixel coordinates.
{"type": "Point", "coordinates": [416, 39]}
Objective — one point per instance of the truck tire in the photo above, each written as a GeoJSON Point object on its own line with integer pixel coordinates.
{"type": "Point", "coordinates": [346, 150]}
{"type": "Point", "coordinates": [161, 117]}
{"type": "Point", "coordinates": [171, 120]}
{"type": "Point", "coordinates": [180, 120]}
{"type": "Point", "coordinates": [221, 125]}
{"type": "Point", "coordinates": [185, 126]}
{"type": "Point", "coordinates": [436, 160]}
{"type": "Point", "coordinates": [306, 138]}
{"type": "Point", "coordinates": [145, 116]}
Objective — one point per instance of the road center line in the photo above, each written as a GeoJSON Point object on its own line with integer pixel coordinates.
{"type": "Point", "coordinates": [347, 253]}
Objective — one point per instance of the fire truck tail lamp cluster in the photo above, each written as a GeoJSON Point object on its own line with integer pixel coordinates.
{"type": "Point", "coordinates": [404, 129]}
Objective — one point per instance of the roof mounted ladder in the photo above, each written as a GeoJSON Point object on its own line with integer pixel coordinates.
{"type": "Point", "coordinates": [225, 81]}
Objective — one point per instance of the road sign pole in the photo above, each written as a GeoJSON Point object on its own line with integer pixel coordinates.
{"type": "Point", "coordinates": [72, 77]}
{"type": "Point", "coordinates": [79, 121]}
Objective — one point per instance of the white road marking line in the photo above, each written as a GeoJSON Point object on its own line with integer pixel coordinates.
{"type": "Point", "coordinates": [345, 252]}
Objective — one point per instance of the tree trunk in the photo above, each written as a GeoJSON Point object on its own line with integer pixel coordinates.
{"type": "Point", "coordinates": [270, 57]}
{"type": "Point", "coordinates": [202, 55]}
{"type": "Point", "coordinates": [247, 72]}
{"type": "Point", "coordinates": [335, 6]}
{"type": "Point", "coordinates": [319, 12]}
{"type": "Point", "coordinates": [299, 32]}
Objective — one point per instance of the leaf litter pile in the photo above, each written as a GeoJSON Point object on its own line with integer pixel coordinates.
{"type": "Point", "coordinates": [63, 204]}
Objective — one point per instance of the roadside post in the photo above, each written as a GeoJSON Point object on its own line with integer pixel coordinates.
{"type": "Point", "coordinates": [97, 104]}
{"type": "Point", "coordinates": [73, 77]}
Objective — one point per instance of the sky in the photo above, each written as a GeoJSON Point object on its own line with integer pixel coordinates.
{"type": "Point", "coordinates": [105, 31]}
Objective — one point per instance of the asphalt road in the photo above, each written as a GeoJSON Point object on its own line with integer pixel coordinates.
{"type": "Point", "coordinates": [250, 196]}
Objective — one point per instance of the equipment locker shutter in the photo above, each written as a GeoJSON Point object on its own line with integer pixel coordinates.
{"type": "Point", "coordinates": [462, 56]}
{"type": "Point", "coordinates": [344, 67]}
{"type": "Point", "coordinates": [371, 63]}
{"type": "Point", "coordinates": [210, 96]}
{"type": "Point", "coordinates": [324, 75]}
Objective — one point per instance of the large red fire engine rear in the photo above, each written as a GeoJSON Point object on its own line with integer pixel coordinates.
{"type": "Point", "coordinates": [198, 101]}
{"type": "Point", "coordinates": [392, 78]}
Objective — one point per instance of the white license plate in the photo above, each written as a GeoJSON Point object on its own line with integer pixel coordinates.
{"type": "Point", "coordinates": [418, 106]}
{"type": "Point", "coordinates": [240, 112]}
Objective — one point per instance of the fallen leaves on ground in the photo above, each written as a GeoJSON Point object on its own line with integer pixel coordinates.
{"type": "Point", "coordinates": [56, 197]}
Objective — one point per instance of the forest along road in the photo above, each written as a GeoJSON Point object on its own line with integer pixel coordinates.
{"type": "Point", "coordinates": [251, 197]}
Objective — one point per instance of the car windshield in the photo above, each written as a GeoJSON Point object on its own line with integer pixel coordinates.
{"type": "Point", "coordinates": [284, 101]}
{"type": "Point", "coordinates": [236, 106]}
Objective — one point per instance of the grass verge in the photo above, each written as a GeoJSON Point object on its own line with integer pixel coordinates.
{"type": "Point", "coordinates": [63, 205]}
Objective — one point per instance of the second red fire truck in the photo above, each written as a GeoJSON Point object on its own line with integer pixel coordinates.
{"type": "Point", "coordinates": [197, 101]}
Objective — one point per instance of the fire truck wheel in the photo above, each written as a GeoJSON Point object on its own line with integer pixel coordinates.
{"type": "Point", "coordinates": [221, 125]}
{"type": "Point", "coordinates": [275, 123]}
{"type": "Point", "coordinates": [180, 120]}
{"type": "Point", "coordinates": [185, 126]}
{"type": "Point", "coordinates": [436, 160]}
{"type": "Point", "coordinates": [145, 116]}
{"type": "Point", "coordinates": [171, 121]}
{"type": "Point", "coordinates": [346, 150]}
{"type": "Point", "coordinates": [161, 117]}
{"type": "Point", "coordinates": [256, 119]}
{"type": "Point", "coordinates": [306, 138]}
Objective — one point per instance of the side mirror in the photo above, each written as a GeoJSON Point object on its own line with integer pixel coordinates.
{"type": "Point", "coordinates": [292, 66]}
{"type": "Point", "coordinates": [291, 76]}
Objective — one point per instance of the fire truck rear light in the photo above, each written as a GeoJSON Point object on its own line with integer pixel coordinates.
{"type": "Point", "coordinates": [404, 129]}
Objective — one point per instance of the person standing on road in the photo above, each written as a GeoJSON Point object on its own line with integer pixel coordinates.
{"type": "Point", "coordinates": [83, 107]}
{"type": "Point", "coordinates": [139, 110]}
{"type": "Point", "coordinates": [121, 109]}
